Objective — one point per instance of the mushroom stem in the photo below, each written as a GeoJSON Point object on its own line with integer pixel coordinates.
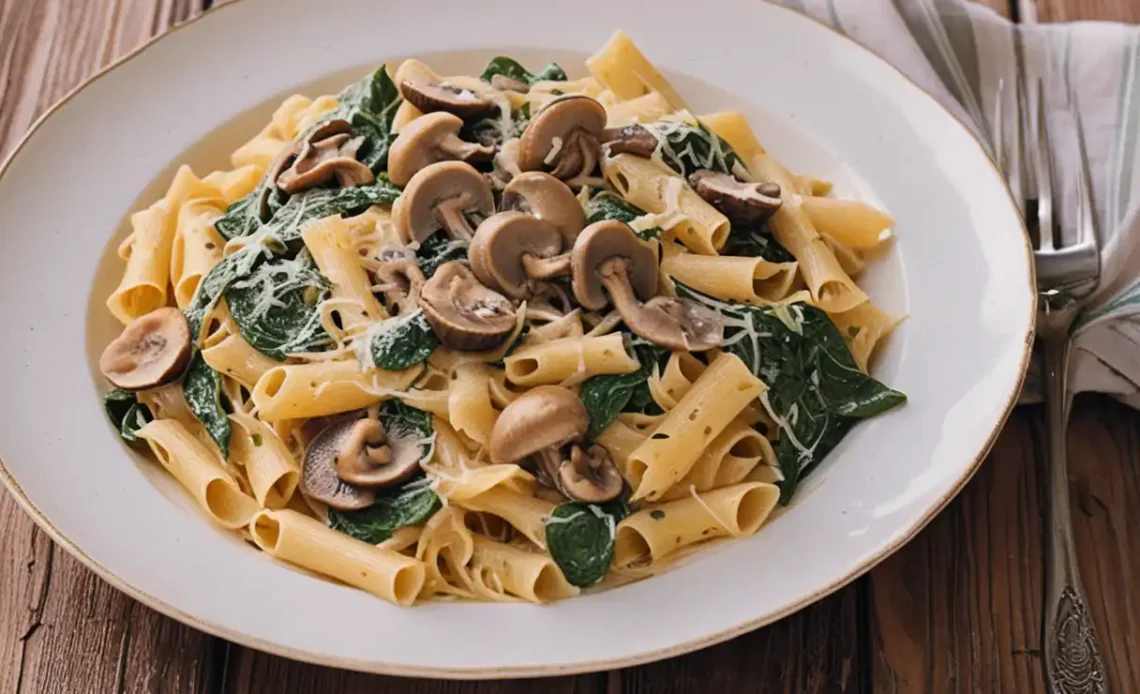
{"type": "Point", "coordinates": [546, 268]}
{"type": "Point", "coordinates": [676, 324]}
{"type": "Point", "coordinates": [548, 460]}
{"type": "Point", "coordinates": [402, 283]}
{"type": "Point", "coordinates": [450, 214]}
{"type": "Point", "coordinates": [471, 152]}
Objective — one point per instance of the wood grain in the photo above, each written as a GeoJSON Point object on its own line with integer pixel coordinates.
{"type": "Point", "coordinates": [957, 610]}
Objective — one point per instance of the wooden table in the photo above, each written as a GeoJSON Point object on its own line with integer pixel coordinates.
{"type": "Point", "coordinates": [956, 610]}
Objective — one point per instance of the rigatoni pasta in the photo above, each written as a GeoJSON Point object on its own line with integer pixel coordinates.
{"type": "Point", "coordinates": [577, 331]}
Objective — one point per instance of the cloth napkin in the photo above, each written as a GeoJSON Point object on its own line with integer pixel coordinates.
{"type": "Point", "coordinates": [962, 53]}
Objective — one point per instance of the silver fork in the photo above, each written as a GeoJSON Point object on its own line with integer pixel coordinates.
{"type": "Point", "coordinates": [1067, 275]}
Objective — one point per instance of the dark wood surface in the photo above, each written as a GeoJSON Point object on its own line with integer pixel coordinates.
{"type": "Point", "coordinates": [956, 610]}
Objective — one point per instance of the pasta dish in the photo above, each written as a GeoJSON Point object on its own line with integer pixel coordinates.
{"type": "Point", "coordinates": [502, 337]}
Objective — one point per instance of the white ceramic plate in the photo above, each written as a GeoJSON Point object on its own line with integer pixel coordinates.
{"type": "Point", "coordinates": [960, 268]}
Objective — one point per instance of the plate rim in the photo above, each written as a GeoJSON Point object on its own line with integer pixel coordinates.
{"type": "Point", "coordinates": [509, 672]}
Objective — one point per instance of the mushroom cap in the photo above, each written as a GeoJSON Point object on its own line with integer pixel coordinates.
{"type": "Point", "coordinates": [672, 323]}
{"type": "Point", "coordinates": [630, 139]}
{"type": "Point", "coordinates": [152, 351]}
{"type": "Point", "coordinates": [590, 476]}
{"type": "Point", "coordinates": [372, 458]}
{"type": "Point", "coordinates": [432, 97]}
{"type": "Point", "coordinates": [463, 313]}
{"type": "Point", "coordinates": [459, 185]}
{"type": "Point", "coordinates": [600, 242]}
{"type": "Point", "coordinates": [417, 145]}
{"type": "Point", "coordinates": [320, 161]}
{"type": "Point", "coordinates": [497, 250]}
{"type": "Point", "coordinates": [542, 417]}
{"type": "Point", "coordinates": [743, 203]}
{"type": "Point", "coordinates": [319, 477]}
{"type": "Point", "coordinates": [559, 119]}
{"type": "Point", "coordinates": [547, 198]}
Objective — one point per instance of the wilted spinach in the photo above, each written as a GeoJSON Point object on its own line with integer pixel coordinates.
{"type": "Point", "coordinates": [606, 205]}
{"type": "Point", "coordinates": [317, 203]}
{"type": "Point", "coordinates": [581, 539]}
{"type": "Point", "coordinates": [815, 389]}
{"type": "Point", "coordinates": [202, 388]}
{"type": "Point", "coordinates": [127, 414]}
{"type": "Point", "coordinates": [688, 148]}
{"type": "Point", "coordinates": [489, 131]}
{"type": "Point", "coordinates": [402, 342]}
{"type": "Point", "coordinates": [756, 243]}
{"type": "Point", "coordinates": [275, 308]}
{"type": "Point", "coordinates": [436, 250]}
{"type": "Point", "coordinates": [509, 67]}
{"type": "Point", "coordinates": [606, 396]}
{"type": "Point", "coordinates": [370, 106]}
{"type": "Point", "coordinates": [228, 270]}
{"type": "Point", "coordinates": [409, 504]}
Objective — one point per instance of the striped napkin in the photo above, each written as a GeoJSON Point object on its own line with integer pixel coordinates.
{"type": "Point", "coordinates": [960, 53]}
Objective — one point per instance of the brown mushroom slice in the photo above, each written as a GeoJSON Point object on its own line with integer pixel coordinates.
{"type": "Point", "coordinates": [443, 196]}
{"type": "Point", "coordinates": [609, 258]}
{"type": "Point", "coordinates": [433, 97]}
{"type": "Point", "coordinates": [512, 249]}
{"type": "Point", "coordinates": [563, 137]}
{"type": "Point", "coordinates": [319, 478]}
{"type": "Point", "coordinates": [743, 203]}
{"type": "Point", "coordinates": [370, 458]}
{"type": "Point", "coordinates": [630, 139]}
{"type": "Point", "coordinates": [152, 351]}
{"type": "Point", "coordinates": [429, 139]}
{"type": "Point", "coordinates": [506, 164]}
{"type": "Point", "coordinates": [590, 476]}
{"type": "Point", "coordinates": [463, 313]}
{"type": "Point", "coordinates": [402, 281]}
{"type": "Point", "coordinates": [545, 417]}
{"type": "Point", "coordinates": [547, 198]}
{"type": "Point", "coordinates": [320, 162]}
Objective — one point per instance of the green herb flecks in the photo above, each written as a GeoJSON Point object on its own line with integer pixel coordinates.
{"type": "Point", "coordinates": [581, 539]}
{"type": "Point", "coordinates": [275, 308]}
{"type": "Point", "coordinates": [202, 388]}
{"type": "Point", "coordinates": [127, 414]}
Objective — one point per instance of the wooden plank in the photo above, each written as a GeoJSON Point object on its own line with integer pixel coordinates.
{"type": "Point", "coordinates": [254, 672]}
{"type": "Point", "coordinates": [819, 649]}
{"type": "Point", "coordinates": [62, 629]}
{"type": "Point", "coordinates": [1070, 10]}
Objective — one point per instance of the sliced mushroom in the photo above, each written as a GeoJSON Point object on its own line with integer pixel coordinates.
{"type": "Point", "coordinates": [564, 137]}
{"type": "Point", "coordinates": [609, 258]}
{"type": "Point", "coordinates": [319, 478]}
{"type": "Point", "coordinates": [463, 313]}
{"type": "Point", "coordinates": [547, 198]}
{"type": "Point", "coordinates": [402, 282]}
{"type": "Point", "coordinates": [152, 351]}
{"type": "Point", "coordinates": [432, 97]}
{"type": "Point", "coordinates": [590, 475]}
{"type": "Point", "coordinates": [365, 458]}
{"type": "Point", "coordinates": [536, 426]}
{"type": "Point", "coordinates": [631, 139]}
{"type": "Point", "coordinates": [326, 153]}
{"type": "Point", "coordinates": [743, 203]}
{"type": "Point", "coordinates": [506, 164]}
{"type": "Point", "coordinates": [429, 139]}
{"type": "Point", "coordinates": [445, 195]}
{"type": "Point", "coordinates": [512, 250]}
{"type": "Point", "coordinates": [509, 84]}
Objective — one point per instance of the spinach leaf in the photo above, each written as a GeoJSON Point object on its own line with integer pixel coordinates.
{"type": "Point", "coordinates": [317, 203]}
{"type": "Point", "coordinates": [489, 131]}
{"type": "Point", "coordinates": [127, 414]}
{"type": "Point", "coordinates": [404, 420]}
{"type": "Point", "coordinates": [275, 308]}
{"type": "Point", "coordinates": [606, 205]}
{"type": "Point", "coordinates": [815, 389]}
{"type": "Point", "coordinates": [608, 395]}
{"type": "Point", "coordinates": [581, 539]}
{"type": "Point", "coordinates": [242, 217]}
{"type": "Point", "coordinates": [688, 148]}
{"type": "Point", "coordinates": [436, 250]}
{"type": "Point", "coordinates": [756, 243]}
{"type": "Point", "coordinates": [370, 105]}
{"type": "Point", "coordinates": [202, 388]}
{"type": "Point", "coordinates": [402, 342]}
{"type": "Point", "coordinates": [228, 270]}
{"type": "Point", "coordinates": [509, 67]}
{"type": "Point", "coordinates": [410, 504]}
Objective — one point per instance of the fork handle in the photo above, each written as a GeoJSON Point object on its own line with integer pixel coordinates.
{"type": "Point", "coordinates": [1072, 652]}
